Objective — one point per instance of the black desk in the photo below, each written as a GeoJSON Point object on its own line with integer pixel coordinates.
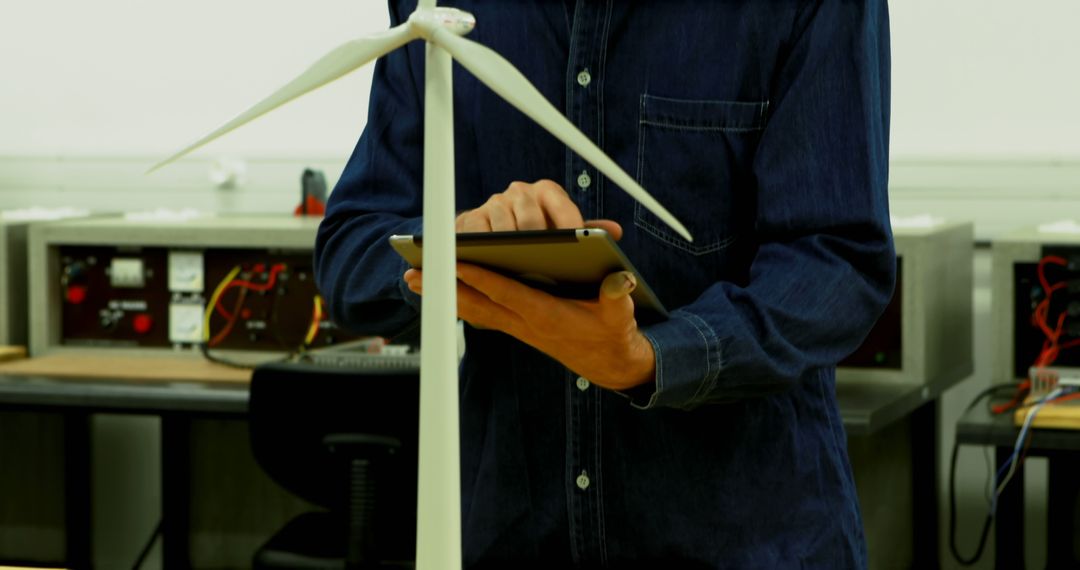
{"type": "Point", "coordinates": [177, 403]}
{"type": "Point", "coordinates": [866, 408]}
{"type": "Point", "coordinates": [1062, 450]}
{"type": "Point", "coordinates": [112, 396]}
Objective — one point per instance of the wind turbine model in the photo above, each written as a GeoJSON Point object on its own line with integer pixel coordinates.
{"type": "Point", "coordinates": [438, 533]}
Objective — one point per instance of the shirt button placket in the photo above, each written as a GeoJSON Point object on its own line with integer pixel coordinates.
{"type": "Point", "coordinates": [584, 78]}
{"type": "Point", "coordinates": [584, 180]}
{"type": "Point", "coordinates": [583, 480]}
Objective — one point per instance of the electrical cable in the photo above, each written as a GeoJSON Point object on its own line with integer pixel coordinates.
{"type": "Point", "coordinates": [1014, 460]}
{"type": "Point", "coordinates": [316, 318]}
{"type": "Point", "coordinates": [987, 486]}
{"type": "Point", "coordinates": [204, 347]}
{"type": "Point", "coordinates": [271, 280]}
{"type": "Point", "coordinates": [1009, 468]}
{"type": "Point", "coordinates": [985, 532]}
{"type": "Point", "coordinates": [149, 545]}
{"type": "Point", "coordinates": [233, 318]}
{"type": "Point", "coordinates": [214, 299]}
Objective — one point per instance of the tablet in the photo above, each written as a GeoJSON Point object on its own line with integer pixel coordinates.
{"type": "Point", "coordinates": [567, 263]}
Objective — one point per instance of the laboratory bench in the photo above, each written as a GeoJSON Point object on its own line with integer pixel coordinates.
{"type": "Point", "coordinates": [183, 390]}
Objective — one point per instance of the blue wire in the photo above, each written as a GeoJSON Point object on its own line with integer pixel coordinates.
{"type": "Point", "coordinates": [1020, 443]}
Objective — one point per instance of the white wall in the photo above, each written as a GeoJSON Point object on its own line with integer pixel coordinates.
{"type": "Point", "coordinates": [985, 124]}
{"type": "Point", "coordinates": [142, 77]}
{"type": "Point", "coordinates": [987, 78]}
{"type": "Point", "coordinates": [972, 78]}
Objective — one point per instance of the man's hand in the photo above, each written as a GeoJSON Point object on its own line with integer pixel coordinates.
{"type": "Point", "coordinates": [596, 339]}
{"type": "Point", "coordinates": [542, 205]}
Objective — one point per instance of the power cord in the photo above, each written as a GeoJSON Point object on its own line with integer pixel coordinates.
{"type": "Point", "coordinates": [149, 545]}
{"type": "Point", "coordinates": [985, 533]}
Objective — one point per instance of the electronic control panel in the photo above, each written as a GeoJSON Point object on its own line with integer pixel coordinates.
{"type": "Point", "coordinates": [924, 335]}
{"type": "Point", "coordinates": [13, 325]}
{"type": "Point", "coordinates": [14, 301]}
{"type": "Point", "coordinates": [234, 284]}
{"type": "Point", "coordinates": [1036, 302]}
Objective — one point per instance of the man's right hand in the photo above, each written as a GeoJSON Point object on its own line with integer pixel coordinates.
{"type": "Point", "coordinates": [542, 205]}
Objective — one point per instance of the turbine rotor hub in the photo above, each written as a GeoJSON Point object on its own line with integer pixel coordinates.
{"type": "Point", "coordinates": [458, 22]}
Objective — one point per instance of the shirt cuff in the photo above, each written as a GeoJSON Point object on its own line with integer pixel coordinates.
{"type": "Point", "coordinates": [688, 363]}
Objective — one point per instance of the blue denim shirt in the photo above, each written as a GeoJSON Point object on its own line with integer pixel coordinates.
{"type": "Point", "coordinates": [764, 127]}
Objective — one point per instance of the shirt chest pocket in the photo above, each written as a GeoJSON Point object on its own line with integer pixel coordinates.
{"type": "Point", "coordinates": [696, 158]}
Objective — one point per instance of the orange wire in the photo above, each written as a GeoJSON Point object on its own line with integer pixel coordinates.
{"type": "Point", "coordinates": [1051, 349]}
{"type": "Point", "coordinates": [232, 320]}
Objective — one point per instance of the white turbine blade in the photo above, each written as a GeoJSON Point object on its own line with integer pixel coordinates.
{"type": "Point", "coordinates": [340, 61]}
{"type": "Point", "coordinates": [505, 80]}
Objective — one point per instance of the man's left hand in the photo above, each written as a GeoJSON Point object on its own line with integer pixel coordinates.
{"type": "Point", "coordinates": [598, 339]}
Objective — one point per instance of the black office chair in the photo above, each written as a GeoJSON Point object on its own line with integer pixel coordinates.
{"type": "Point", "coordinates": [345, 440]}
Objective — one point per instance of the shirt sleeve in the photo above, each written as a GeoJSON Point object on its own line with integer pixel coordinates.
{"type": "Point", "coordinates": [379, 194]}
{"type": "Point", "coordinates": [825, 264]}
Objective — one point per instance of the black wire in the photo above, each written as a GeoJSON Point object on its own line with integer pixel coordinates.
{"type": "Point", "coordinates": [146, 549]}
{"type": "Point", "coordinates": [985, 533]}
{"type": "Point", "coordinates": [241, 365]}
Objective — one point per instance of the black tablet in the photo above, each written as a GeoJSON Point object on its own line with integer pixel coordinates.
{"type": "Point", "coordinates": [567, 263]}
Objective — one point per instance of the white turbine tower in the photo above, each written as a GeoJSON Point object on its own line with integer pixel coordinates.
{"type": "Point", "coordinates": [438, 533]}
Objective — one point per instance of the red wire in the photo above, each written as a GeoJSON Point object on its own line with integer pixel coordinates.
{"type": "Point", "coordinates": [1051, 349]}
{"type": "Point", "coordinates": [1066, 398]}
{"type": "Point", "coordinates": [1042, 270]}
{"type": "Point", "coordinates": [1021, 391]}
{"type": "Point", "coordinates": [232, 320]}
{"type": "Point", "coordinates": [270, 281]}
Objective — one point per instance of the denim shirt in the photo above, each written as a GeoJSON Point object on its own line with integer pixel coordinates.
{"type": "Point", "coordinates": [763, 126]}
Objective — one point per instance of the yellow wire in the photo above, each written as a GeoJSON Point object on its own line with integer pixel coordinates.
{"type": "Point", "coordinates": [316, 319]}
{"type": "Point", "coordinates": [214, 299]}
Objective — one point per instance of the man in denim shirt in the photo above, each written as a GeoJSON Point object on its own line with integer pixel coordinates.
{"type": "Point", "coordinates": [711, 439]}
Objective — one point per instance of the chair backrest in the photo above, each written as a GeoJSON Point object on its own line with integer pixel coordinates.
{"type": "Point", "coordinates": [293, 407]}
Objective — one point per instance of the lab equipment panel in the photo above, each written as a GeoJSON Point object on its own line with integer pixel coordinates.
{"type": "Point", "coordinates": [156, 297]}
{"type": "Point", "coordinates": [237, 284]}
{"type": "Point", "coordinates": [1036, 302]}
{"type": "Point", "coordinates": [924, 335]}
{"type": "Point", "coordinates": [13, 325]}
{"type": "Point", "coordinates": [14, 297]}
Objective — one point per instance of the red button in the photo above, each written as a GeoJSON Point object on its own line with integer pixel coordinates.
{"type": "Point", "coordinates": [75, 294]}
{"type": "Point", "coordinates": [142, 323]}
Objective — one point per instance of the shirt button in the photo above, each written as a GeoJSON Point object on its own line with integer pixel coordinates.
{"type": "Point", "coordinates": [584, 180]}
{"type": "Point", "coordinates": [583, 78]}
{"type": "Point", "coordinates": [582, 383]}
{"type": "Point", "coordinates": [583, 480]}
